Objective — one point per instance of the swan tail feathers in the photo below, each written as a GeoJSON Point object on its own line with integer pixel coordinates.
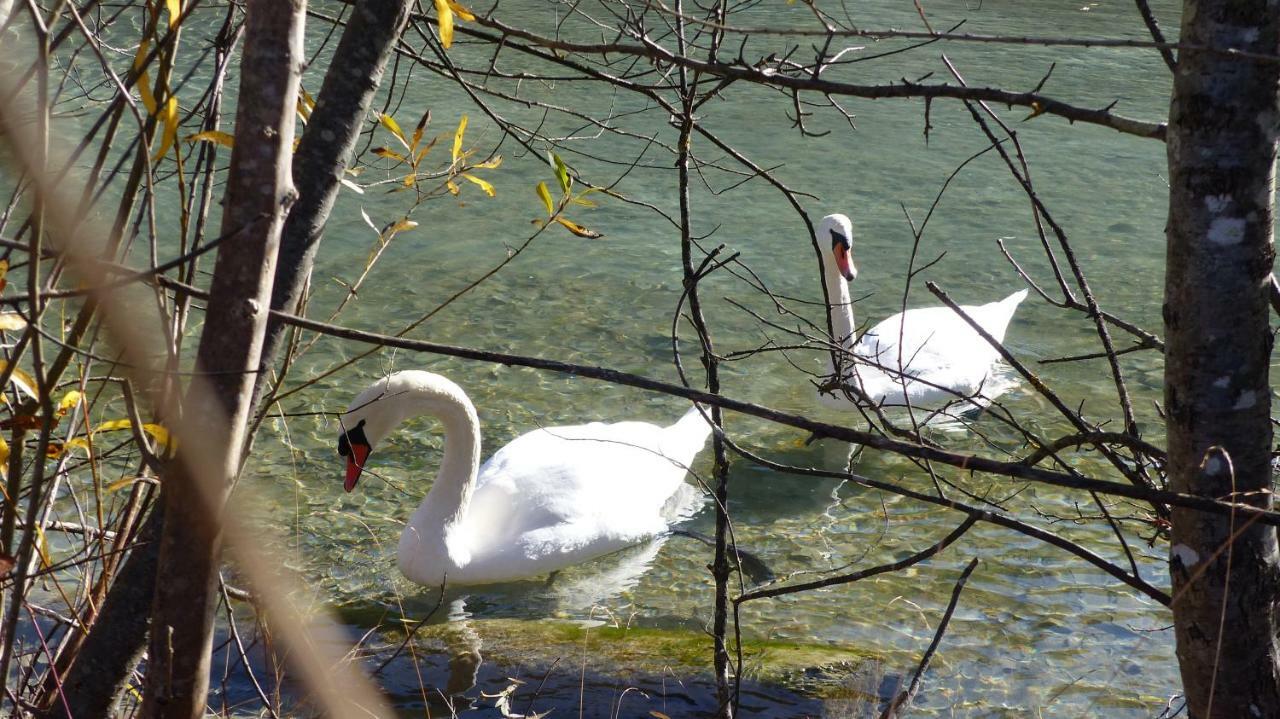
{"type": "Point", "coordinates": [1015, 299]}
{"type": "Point", "coordinates": [1004, 313]}
{"type": "Point", "coordinates": [690, 432]}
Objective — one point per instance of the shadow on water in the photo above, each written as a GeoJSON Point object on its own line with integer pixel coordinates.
{"type": "Point", "coordinates": [463, 666]}
{"type": "Point", "coordinates": [565, 685]}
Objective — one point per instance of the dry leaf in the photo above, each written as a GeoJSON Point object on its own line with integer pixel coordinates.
{"type": "Point", "coordinates": [579, 230]}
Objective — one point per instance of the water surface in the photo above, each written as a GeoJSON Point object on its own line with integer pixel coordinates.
{"type": "Point", "coordinates": [1036, 630]}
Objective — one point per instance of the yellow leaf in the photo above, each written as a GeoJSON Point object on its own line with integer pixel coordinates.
{"type": "Point", "coordinates": [42, 543]}
{"type": "Point", "coordinates": [487, 187]}
{"type": "Point", "coordinates": [410, 180]}
{"type": "Point", "coordinates": [417, 131]}
{"type": "Point", "coordinates": [120, 484]}
{"type": "Point", "coordinates": [306, 104]}
{"type": "Point", "coordinates": [217, 137]}
{"type": "Point", "coordinates": [4, 270]}
{"type": "Point", "coordinates": [388, 153]}
{"type": "Point", "coordinates": [445, 15]}
{"type": "Point", "coordinates": [461, 12]}
{"type": "Point", "coordinates": [401, 226]}
{"type": "Point", "coordinates": [113, 424]}
{"type": "Point", "coordinates": [392, 126]}
{"type": "Point", "coordinates": [545, 194]}
{"type": "Point", "coordinates": [457, 138]}
{"type": "Point", "coordinates": [160, 435]}
{"type": "Point", "coordinates": [175, 11]}
{"type": "Point", "coordinates": [11, 321]}
{"type": "Point", "coordinates": [453, 188]}
{"type": "Point", "coordinates": [580, 200]}
{"type": "Point", "coordinates": [21, 380]}
{"type": "Point", "coordinates": [143, 82]}
{"type": "Point", "coordinates": [69, 400]}
{"type": "Point", "coordinates": [4, 459]}
{"type": "Point", "coordinates": [657, 714]}
{"type": "Point", "coordinates": [489, 164]}
{"type": "Point", "coordinates": [169, 117]}
{"type": "Point", "coordinates": [578, 230]}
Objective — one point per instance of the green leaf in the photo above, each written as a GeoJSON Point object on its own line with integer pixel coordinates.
{"type": "Point", "coordinates": [562, 173]}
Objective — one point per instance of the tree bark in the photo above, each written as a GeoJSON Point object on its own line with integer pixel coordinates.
{"type": "Point", "coordinates": [259, 193]}
{"type": "Point", "coordinates": [1222, 149]}
{"type": "Point", "coordinates": [325, 150]}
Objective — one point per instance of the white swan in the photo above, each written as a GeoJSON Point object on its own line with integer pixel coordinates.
{"type": "Point", "coordinates": [929, 357]}
{"type": "Point", "coordinates": [551, 498]}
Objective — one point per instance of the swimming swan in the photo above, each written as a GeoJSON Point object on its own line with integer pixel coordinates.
{"type": "Point", "coordinates": [929, 356]}
{"type": "Point", "coordinates": [551, 498]}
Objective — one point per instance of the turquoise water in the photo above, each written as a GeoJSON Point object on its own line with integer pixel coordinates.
{"type": "Point", "coordinates": [1036, 630]}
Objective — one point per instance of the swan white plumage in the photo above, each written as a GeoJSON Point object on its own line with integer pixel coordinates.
{"type": "Point", "coordinates": [551, 498]}
{"type": "Point", "coordinates": [929, 357]}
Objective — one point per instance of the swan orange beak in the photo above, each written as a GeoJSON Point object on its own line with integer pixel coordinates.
{"type": "Point", "coordinates": [355, 464]}
{"type": "Point", "coordinates": [843, 264]}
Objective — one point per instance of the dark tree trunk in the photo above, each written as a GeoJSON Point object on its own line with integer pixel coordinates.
{"type": "Point", "coordinates": [1222, 148]}
{"type": "Point", "coordinates": [216, 408]}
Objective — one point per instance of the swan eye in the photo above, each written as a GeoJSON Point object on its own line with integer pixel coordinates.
{"type": "Point", "coordinates": [353, 436]}
{"type": "Point", "coordinates": [839, 240]}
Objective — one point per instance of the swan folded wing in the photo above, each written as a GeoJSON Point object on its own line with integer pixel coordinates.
{"type": "Point", "coordinates": [607, 476]}
{"type": "Point", "coordinates": [568, 543]}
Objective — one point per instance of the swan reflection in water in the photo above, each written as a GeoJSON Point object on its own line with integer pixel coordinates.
{"type": "Point", "coordinates": [583, 591]}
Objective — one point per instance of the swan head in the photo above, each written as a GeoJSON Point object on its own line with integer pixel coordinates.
{"type": "Point", "coordinates": [838, 230]}
{"type": "Point", "coordinates": [386, 403]}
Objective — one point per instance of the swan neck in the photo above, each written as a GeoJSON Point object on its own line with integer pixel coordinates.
{"type": "Point", "coordinates": [449, 498]}
{"type": "Point", "coordinates": [841, 308]}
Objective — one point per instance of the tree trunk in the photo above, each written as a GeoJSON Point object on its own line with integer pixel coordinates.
{"type": "Point", "coordinates": [325, 150]}
{"type": "Point", "coordinates": [322, 156]}
{"type": "Point", "coordinates": [1222, 148]}
{"type": "Point", "coordinates": [259, 193]}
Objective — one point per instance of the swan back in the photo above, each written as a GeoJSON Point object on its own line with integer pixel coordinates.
{"type": "Point", "coordinates": [557, 496]}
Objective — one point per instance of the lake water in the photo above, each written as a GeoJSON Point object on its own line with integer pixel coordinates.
{"type": "Point", "coordinates": [1036, 630]}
